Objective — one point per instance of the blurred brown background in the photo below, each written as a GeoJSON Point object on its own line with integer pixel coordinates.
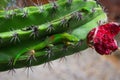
{"type": "Point", "coordinates": [30, 2]}
{"type": "Point", "coordinates": [112, 8]}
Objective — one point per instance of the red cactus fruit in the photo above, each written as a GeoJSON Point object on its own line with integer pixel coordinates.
{"type": "Point", "coordinates": [102, 38]}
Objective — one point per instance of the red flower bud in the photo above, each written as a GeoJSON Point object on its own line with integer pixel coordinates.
{"type": "Point", "coordinates": [102, 38]}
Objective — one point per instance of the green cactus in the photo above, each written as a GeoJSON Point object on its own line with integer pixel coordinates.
{"type": "Point", "coordinates": [42, 36]}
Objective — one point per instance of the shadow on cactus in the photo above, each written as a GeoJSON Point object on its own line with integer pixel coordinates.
{"type": "Point", "coordinates": [38, 34]}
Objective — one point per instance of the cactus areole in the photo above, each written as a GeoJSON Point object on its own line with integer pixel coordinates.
{"type": "Point", "coordinates": [102, 38]}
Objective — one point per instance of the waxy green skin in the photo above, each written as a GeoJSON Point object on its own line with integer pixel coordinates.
{"type": "Point", "coordinates": [11, 23]}
{"type": "Point", "coordinates": [36, 18]}
{"type": "Point", "coordinates": [57, 37]}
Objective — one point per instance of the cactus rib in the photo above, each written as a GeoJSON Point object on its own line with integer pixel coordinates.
{"type": "Point", "coordinates": [36, 18]}
{"type": "Point", "coordinates": [42, 29]}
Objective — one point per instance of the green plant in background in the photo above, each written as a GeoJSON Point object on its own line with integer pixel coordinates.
{"type": "Point", "coordinates": [38, 34]}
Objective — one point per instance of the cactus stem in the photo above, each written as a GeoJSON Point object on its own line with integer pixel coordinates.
{"type": "Point", "coordinates": [31, 22]}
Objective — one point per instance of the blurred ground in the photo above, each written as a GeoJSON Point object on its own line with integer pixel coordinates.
{"type": "Point", "coordinates": [87, 66]}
